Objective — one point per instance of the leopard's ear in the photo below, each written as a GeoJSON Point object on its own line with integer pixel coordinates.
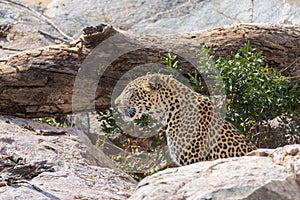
{"type": "Point", "coordinates": [152, 82]}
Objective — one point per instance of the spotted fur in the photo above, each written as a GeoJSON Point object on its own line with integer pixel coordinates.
{"type": "Point", "coordinates": [194, 130]}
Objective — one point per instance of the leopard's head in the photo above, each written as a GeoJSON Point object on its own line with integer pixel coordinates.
{"type": "Point", "coordinates": [144, 95]}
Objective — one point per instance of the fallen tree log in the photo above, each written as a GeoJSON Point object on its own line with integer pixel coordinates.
{"type": "Point", "coordinates": [43, 82]}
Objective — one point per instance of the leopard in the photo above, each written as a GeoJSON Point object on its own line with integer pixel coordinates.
{"type": "Point", "coordinates": [194, 128]}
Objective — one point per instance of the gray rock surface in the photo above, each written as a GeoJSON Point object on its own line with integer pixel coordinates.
{"type": "Point", "coordinates": [27, 28]}
{"type": "Point", "coordinates": [170, 17]}
{"type": "Point", "coordinates": [31, 30]}
{"type": "Point", "coordinates": [41, 162]}
{"type": "Point", "coordinates": [274, 177]}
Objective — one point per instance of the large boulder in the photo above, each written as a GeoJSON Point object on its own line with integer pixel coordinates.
{"type": "Point", "coordinates": [274, 176]}
{"type": "Point", "coordinates": [42, 162]}
{"type": "Point", "coordinates": [30, 29]}
{"type": "Point", "coordinates": [170, 17]}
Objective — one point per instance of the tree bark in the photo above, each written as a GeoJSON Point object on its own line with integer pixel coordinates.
{"type": "Point", "coordinates": [43, 82]}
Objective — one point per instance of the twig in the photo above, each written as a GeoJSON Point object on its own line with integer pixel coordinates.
{"type": "Point", "coordinates": [227, 16]}
{"type": "Point", "coordinates": [52, 36]}
{"type": "Point", "coordinates": [40, 15]}
{"type": "Point", "coordinates": [51, 132]}
{"type": "Point", "coordinates": [290, 65]}
{"type": "Point", "coordinates": [294, 77]}
{"type": "Point", "coordinates": [10, 49]}
{"type": "Point", "coordinates": [252, 11]}
{"type": "Point", "coordinates": [17, 182]}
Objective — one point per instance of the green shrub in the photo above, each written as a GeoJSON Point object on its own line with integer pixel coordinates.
{"type": "Point", "coordinates": [255, 92]}
{"type": "Point", "coordinates": [108, 122]}
{"type": "Point", "coordinates": [52, 122]}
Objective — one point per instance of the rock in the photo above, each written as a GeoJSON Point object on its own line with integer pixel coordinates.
{"type": "Point", "coordinates": [274, 177]}
{"type": "Point", "coordinates": [42, 162]}
{"type": "Point", "coordinates": [169, 17]}
{"type": "Point", "coordinates": [31, 30]}
{"type": "Point", "coordinates": [287, 156]}
{"type": "Point", "coordinates": [88, 123]}
{"type": "Point", "coordinates": [28, 28]}
{"type": "Point", "coordinates": [39, 2]}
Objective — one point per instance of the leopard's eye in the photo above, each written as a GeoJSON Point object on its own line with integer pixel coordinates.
{"type": "Point", "coordinates": [130, 112]}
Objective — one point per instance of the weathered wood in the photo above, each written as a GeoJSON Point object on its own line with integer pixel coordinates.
{"type": "Point", "coordinates": [40, 82]}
